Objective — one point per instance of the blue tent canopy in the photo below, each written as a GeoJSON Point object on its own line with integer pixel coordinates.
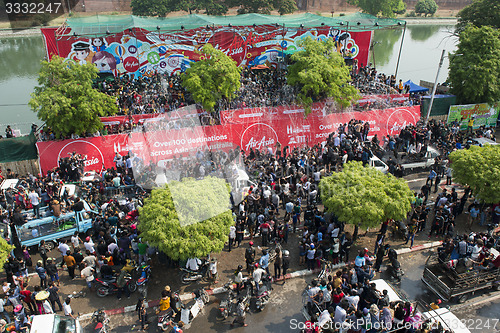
{"type": "Point", "coordinates": [415, 87]}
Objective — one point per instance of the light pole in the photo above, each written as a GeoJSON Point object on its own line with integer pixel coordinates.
{"type": "Point", "coordinates": [434, 88]}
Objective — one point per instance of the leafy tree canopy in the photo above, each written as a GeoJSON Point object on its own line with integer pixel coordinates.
{"type": "Point", "coordinates": [480, 13]}
{"type": "Point", "coordinates": [5, 249]}
{"type": "Point", "coordinates": [66, 101]}
{"type": "Point", "coordinates": [426, 7]}
{"type": "Point", "coordinates": [172, 218]}
{"type": "Point", "coordinates": [386, 8]}
{"type": "Point", "coordinates": [478, 167]}
{"type": "Point", "coordinates": [364, 196]}
{"type": "Point", "coordinates": [152, 7]}
{"type": "Point", "coordinates": [474, 73]}
{"type": "Point", "coordinates": [265, 6]}
{"type": "Point", "coordinates": [320, 72]}
{"type": "Point", "coordinates": [215, 77]}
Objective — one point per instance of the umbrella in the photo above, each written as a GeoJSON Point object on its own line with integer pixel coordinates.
{"type": "Point", "coordinates": [260, 67]}
{"type": "Point", "coordinates": [42, 295]}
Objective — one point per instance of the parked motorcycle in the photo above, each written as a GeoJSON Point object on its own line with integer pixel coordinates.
{"type": "Point", "coordinates": [264, 294]}
{"type": "Point", "coordinates": [226, 306]}
{"type": "Point", "coordinates": [395, 271]}
{"type": "Point", "coordinates": [142, 281]}
{"type": "Point", "coordinates": [203, 273]}
{"type": "Point", "coordinates": [102, 321]}
{"type": "Point", "coordinates": [171, 314]}
{"type": "Point", "coordinates": [108, 287]}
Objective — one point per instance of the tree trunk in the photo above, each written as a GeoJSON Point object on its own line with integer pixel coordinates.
{"type": "Point", "coordinates": [355, 234]}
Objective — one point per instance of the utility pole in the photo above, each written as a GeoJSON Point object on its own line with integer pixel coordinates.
{"type": "Point", "coordinates": [434, 89]}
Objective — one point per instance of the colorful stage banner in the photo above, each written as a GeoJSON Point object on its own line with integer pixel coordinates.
{"type": "Point", "coordinates": [140, 52]}
{"type": "Point", "coordinates": [484, 115]}
{"type": "Point", "coordinates": [160, 146]}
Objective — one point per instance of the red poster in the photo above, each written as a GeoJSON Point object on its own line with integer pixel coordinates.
{"type": "Point", "coordinates": [159, 146]}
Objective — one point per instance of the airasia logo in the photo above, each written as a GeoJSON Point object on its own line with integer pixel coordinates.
{"type": "Point", "coordinates": [398, 120]}
{"type": "Point", "coordinates": [131, 64]}
{"type": "Point", "coordinates": [258, 136]}
{"type": "Point", "coordinates": [231, 43]}
{"type": "Point", "coordinates": [92, 155]}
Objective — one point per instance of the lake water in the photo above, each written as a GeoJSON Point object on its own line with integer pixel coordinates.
{"type": "Point", "coordinates": [20, 61]}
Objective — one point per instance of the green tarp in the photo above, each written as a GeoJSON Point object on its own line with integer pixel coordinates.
{"type": "Point", "coordinates": [440, 106]}
{"type": "Point", "coordinates": [103, 24]}
{"type": "Point", "coordinates": [18, 149]}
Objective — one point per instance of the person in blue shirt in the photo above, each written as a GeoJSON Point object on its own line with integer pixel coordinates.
{"type": "Point", "coordinates": [431, 176]}
{"type": "Point", "coordinates": [264, 261]}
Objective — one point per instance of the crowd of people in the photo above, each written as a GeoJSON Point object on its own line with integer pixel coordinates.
{"type": "Point", "coordinates": [285, 200]}
{"type": "Point", "coordinates": [163, 94]}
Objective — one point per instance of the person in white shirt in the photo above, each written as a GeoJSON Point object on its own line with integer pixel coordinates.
{"type": "Point", "coordinates": [63, 248]}
{"type": "Point", "coordinates": [257, 277]}
{"type": "Point", "coordinates": [76, 240]}
{"type": "Point", "coordinates": [67, 308]}
{"type": "Point", "coordinates": [35, 202]}
{"type": "Point", "coordinates": [325, 317]}
{"type": "Point", "coordinates": [89, 245]}
{"type": "Point", "coordinates": [340, 314]}
{"type": "Point", "coordinates": [232, 236]}
{"type": "Point", "coordinates": [193, 264]}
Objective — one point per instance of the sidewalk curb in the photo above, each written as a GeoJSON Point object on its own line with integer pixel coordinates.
{"type": "Point", "coordinates": [220, 290]}
{"type": "Point", "coordinates": [478, 302]}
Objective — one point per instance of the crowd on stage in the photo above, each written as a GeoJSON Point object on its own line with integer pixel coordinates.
{"type": "Point", "coordinates": [164, 94]}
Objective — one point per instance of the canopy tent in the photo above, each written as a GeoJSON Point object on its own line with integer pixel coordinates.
{"type": "Point", "coordinates": [414, 88]}
{"type": "Point", "coordinates": [101, 25]}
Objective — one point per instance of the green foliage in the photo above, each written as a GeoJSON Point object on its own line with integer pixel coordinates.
{"type": "Point", "coordinates": [478, 167]}
{"type": "Point", "coordinates": [213, 78]}
{"type": "Point", "coordinates": [474, 73]}
{"type": "Point", "coordinates": [421, 32]}
{"type": "Point", "coordinates": [265, 6]}
{"type": "Point", "coordinates": [152, 7]}
{"type": "Point", "coordinates": [66, 101]}
{"type": "Point", "coordinates": [320, 72]}
{"type": "Point", "coordinates": [5, 249]}
{"type": "Point", "coordinates": [364, 196]}
{"type": "Point", "coordinates": [182, 203]}
{"type": "Point", "coordinates": [386, 8]}
{"type": "Point", "coordinates": [426, 7]}
{"type": "Point", "coordinates": [480, 13]}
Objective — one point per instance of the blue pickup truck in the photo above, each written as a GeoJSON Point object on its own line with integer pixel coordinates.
{"type": "Point", "coordinates": [51, 228]}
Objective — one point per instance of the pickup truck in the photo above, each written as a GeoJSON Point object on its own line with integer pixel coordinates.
{"type": "Point", "coordinates": [53, 323]}
{"type": "Point", "coordinates": [458, 283]}
{"type": "Point", "coordinates": [410, 162]}
{"type": "Point", "coordinates": [51, 228]}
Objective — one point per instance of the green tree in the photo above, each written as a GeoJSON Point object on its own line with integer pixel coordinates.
{"type": "Point", "coordinates": [480, 13]}
{"type": "Point", "coordinates": [213, 78]}
{"type": "Point", "coordinates": [264, 6]}
{"type": "Point", "coordinates": [474, 73]}
{"type": "Point", "coordinates": [426, 7]}
{"type": "Point", "coordinates": [320, 72]}
{"type": "Point", "coordinates": [478, 167]}
{"type": "Point", "coordinates": [172, 218]}
{"type": "Point", "coordinates": [66, 101]}
{"type": "Point", "coordinates": [5, 249]}
{"type": "Point", "coordinates": [364, 196]}
{"type": "Point", "coordinates": [152, 7]}
{"type": "Point", "coordinates": [387, 8]}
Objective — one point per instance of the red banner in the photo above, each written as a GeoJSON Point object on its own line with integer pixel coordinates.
{"type": "Point", "coordinates": [141, 52]}
{"type": "Point", "coordinates": [160, 146]}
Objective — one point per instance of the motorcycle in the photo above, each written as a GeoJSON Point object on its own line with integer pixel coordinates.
{"type": "Point", "coordinates": [395, 270]}
{"type": "Point", "coordinates": [226, 306]}
{"type": "Point", "coordinates": [168, 316]}
{"type": "Point", "coordinates": [203, 273]}
{"type": "Point", "coordinates": [108, 287]}
{"type": "Point", "coordinates": [145, 274]}
{"type": "Point", "coordinates": [262, 298]}
{"type": "Point", "coordinates": [102, 321]}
